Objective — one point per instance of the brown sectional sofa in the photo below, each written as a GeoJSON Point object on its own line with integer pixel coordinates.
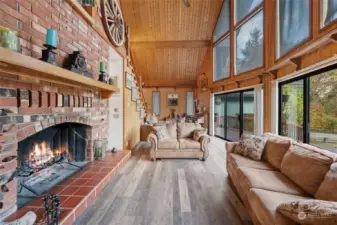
{"type": "Point", "coordinates": [289, 171]}
{"type": "Point", "coordinates": [180, 143]}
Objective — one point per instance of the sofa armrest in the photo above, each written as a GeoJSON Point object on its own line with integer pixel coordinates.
{"type": "Point", "coordinates": [204, 141]}
{"type": "Point", "coordinates": [153, 140]}
{"type": "Point", "coordinates": [230, 146]}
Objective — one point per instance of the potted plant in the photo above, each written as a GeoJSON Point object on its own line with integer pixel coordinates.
{"type": "Point", "coordinates": [89, 3]}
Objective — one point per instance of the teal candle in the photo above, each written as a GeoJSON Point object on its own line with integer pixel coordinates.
{"type": "Point", "coordinates": [51, 37]}
{"type": "Point", "coordinates": [102, 67]}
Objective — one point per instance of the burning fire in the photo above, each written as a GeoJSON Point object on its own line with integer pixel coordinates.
{"type": "Point", "coordinates": [42, 153]}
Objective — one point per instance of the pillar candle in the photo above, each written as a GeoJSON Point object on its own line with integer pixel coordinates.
{"type": "Point", "coordinates": [102, 67]}
{"type": "Point", "coordinates": [51, 37]}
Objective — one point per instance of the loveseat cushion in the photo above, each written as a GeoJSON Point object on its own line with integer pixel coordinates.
{"type": "Point", "coordinates": [241, 161]}
{"type": "Point", "coordinates": [185, 130]}
{"type": "Point", "coordinates": [310, 212]}
{"type": "Point", "coordinates": [251, 146]}
{"type": "Point", "coordinates": [264, 205]}
{"type": "Point", "coordinates": [307, 165]}
{"type": "Point", "coordinates": [171, 127]}
{"type": "Point", "coordinates": [327, 189]}
{"type": "Point", "coordinates": [275, 149]}
{"type": "Point", "coordinates": [268, 180]}
{"type": "Point", "coordinates": [188, 143]}
{"type": "Point", "coordinates": [168, 144]}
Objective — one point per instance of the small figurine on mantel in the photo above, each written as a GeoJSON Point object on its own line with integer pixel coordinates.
{"type": "Point", "coordinates": [48, 55]}
{"type": "Point", "coordinates": [103, 77]}
{"type": "Point", "coordinates": [78, 64]}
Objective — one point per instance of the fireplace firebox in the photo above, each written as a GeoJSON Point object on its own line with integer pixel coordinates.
{"type": "Point", "coordinates": [48, 157]}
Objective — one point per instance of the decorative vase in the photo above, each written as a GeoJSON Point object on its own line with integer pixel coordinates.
{"type": "Point", "coordinates": [111, 81]}
{"type": "Point", "coordinates": [9, 39]}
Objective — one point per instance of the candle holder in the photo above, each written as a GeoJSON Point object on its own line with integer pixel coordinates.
{"type": "Point", "coordinates": [103, 77]}
{"type": "Point", "coordinates": [48, 55]}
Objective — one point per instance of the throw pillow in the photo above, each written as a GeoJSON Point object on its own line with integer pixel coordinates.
{"type": "Point", "coordinates": [161, 132]}
{"type": "Point", "coordinates": [198, 133]}
{"type": "Point", "coordinates": [251, 146]}
{"type": "Point", "coordinates": [310, 212]}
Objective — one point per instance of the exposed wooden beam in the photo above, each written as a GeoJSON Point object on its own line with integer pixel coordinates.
{"type": "Point", "coordinates": [167, 83]}
{"type": "Point", "coordinates": [172, 44]}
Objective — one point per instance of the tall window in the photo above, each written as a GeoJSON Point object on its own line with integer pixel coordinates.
{"type": "Point", "coordinates": [234, 114]}
{"type": "Point", "coordinates": [156, 102]}
{"type": "Point", "coordinates": [222, 59]}
{"type": "Point", "coordinates": [190, 103]}
{"type": "Point", "coordinates": [222, 25]}
{"type": "Point", "coordinates": [243, 7]}
{"type": "Point", "coordinates": [328, 12]}
{"type": "Point", "coordinates": [308, 109]}
{"type": "Point", "coordinates": [293, 23]}
{"type": "Point", "coordinates": [249, 44]}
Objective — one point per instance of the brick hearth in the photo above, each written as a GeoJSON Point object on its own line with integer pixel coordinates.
{"type": "Point", "coordinates": [78, 191]}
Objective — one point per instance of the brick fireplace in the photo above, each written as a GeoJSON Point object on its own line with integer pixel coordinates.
{"type": "Point", "coordinates": [29, 107]}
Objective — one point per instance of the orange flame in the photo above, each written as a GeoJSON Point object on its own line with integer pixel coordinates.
{"type": "Point", "coordinates": [42, 153]}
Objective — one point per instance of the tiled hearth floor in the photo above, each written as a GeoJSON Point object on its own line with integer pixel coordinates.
{"type": "Point", "coordinates": [79, 190]}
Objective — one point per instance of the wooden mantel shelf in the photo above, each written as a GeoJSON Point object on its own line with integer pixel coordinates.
{"type": "Point", "coordinates": [18, 64]}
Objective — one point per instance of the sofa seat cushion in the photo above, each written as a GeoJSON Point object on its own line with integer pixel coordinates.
{"type": "Point", "coordinates": [264, 205]}
{"type": "Point", "coordinates": [327, 189]}
{"type": "Point", "coordinates": [188, 143]}
{"type": "Point", "coordinates": [268, 180]}
{"type": "Point", "coordinates": [307, 165]}
{"type": "Point", "coordinates": [168, 144]}
{"type": "Point", "coordinates": [241, 161]}
{"type": "Point", "coordinates": [275, 149]}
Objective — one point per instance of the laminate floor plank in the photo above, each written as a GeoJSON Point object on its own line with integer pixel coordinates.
{"type": "Point", "coordinates": [166, 192]}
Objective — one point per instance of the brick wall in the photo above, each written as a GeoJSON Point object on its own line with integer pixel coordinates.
{"type": "Point", "coordinates": [29, 105]}
{"type": "Point", "coordinates": [32, 18]}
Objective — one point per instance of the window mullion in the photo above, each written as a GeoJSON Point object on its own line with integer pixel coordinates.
{"type": "Point", "coordinates": [306, 111]}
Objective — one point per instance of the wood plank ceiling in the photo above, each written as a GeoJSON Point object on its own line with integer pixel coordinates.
{"type": "Point", "coordinates": [169, 40]}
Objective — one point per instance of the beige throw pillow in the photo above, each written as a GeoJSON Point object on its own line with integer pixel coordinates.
{"type": "Point", "coordinates": [161, 132]}
{"type": "Point", "coordinates": [310, 212]}
{"type": "Point", "coordinates": [251, 146]}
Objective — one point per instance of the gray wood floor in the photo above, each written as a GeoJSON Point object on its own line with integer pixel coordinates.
{"type": "Point", "coordinates": [166, 192]}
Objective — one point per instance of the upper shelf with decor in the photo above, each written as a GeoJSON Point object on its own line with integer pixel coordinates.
{"type": "Point", "coordinates": [18, 64]}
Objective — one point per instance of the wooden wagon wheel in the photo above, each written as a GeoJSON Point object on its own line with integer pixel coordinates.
{"type": "Point", "coordinates": [113, 22]}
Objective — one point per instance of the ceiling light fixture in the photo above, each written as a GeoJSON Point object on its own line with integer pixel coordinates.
{"type": "Point", "coordinates": [187, 3]}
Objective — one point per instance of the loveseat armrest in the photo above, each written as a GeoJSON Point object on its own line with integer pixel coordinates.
{"type": "Point", "coordinates": [153, 140]}
{"type": "Point", "coordinates": [230, 146]}
{"type": "Point", "coordinates": [204, 141]}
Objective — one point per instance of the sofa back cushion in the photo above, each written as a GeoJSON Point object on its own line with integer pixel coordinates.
{"type": "Point", "coordinates": [185, 130]}
{"type": "Point", "coordinates": [171, 127]}
{"type": "Point", "coordinates": [328, 188]}
{"type": "Point", "coordinates": [275, 149]}
{"type": "Point", "coordinates": [307, 165]}
{"type": "Point", "coordinates": [161, 132]}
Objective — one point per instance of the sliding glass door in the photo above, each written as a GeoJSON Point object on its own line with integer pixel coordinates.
{"type": "Point", "coordinates": [234, 114]}
{"type": "Point", "coordinates": [308, 109]}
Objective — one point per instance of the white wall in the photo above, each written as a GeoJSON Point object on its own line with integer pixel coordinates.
{"type": "Point", "coordinates": [115, 136]}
